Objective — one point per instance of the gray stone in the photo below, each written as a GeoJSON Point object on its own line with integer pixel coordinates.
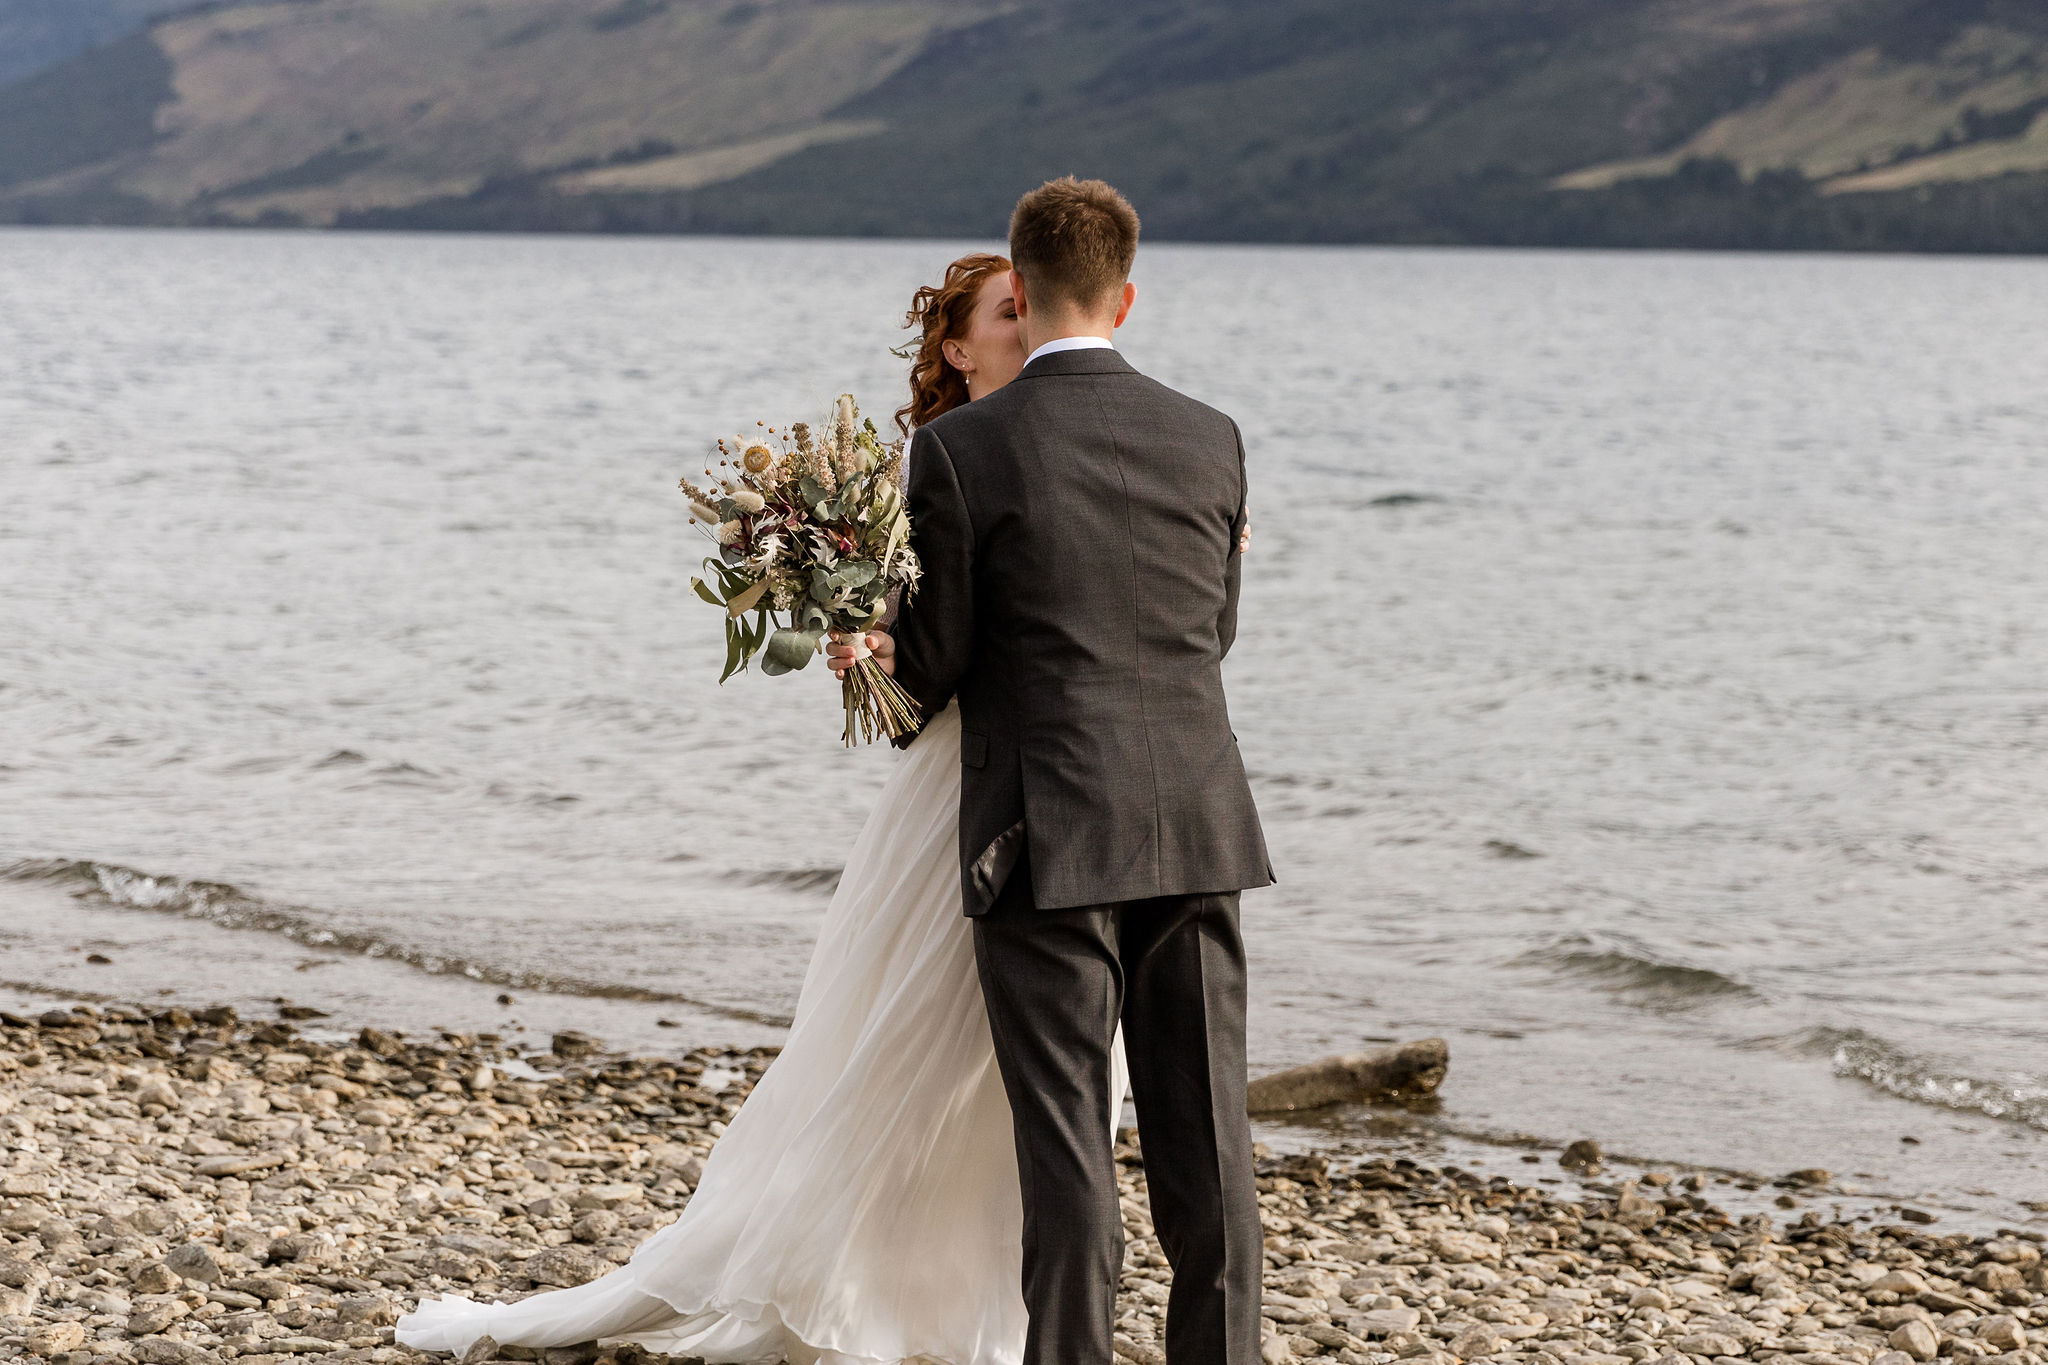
{"type": "Point", "coordinates": [1475, 1341]}
{"type": "Point", "coordinates": [596, 1226]}
{"type": "Point", "coordinates": [156, 1278]}
{"type": "Point", "coordinates": [2003, 1331]}
{"type": "Point", "coordinates": [194, 1261]}
{"type": "Point", "coordinates": [571, 1043]}
{"type": "Point", "coordinates": [55, 1338]}
{"type": "Point", "coordinates": [1916, 1339]}
{"type": "Point", "coordinates": [1330, 1338]}
{"type": "Point", "coordinates": [1583, 1155]}
{"type": "Point", "coordinates": [295, 1246]}
{"type": "Point", "coordinates": [20, 1274]}
{"type": "Point", "coordinates": [367, 1310]}
{"type": "Point", "coordinates": [1904, 1283]}
{"type": "Point", "coordinates": [563, 1267]}
{"type": "Point", "coordinates": [152, 1318]}
{"type": "Point", "coordinates": [1385, 1322]}
{"type": "Point", "coordinates": [452, 1265]}
{"type": "Point", "coordinates": [474, 1244]}
{"type": "Point", "coordinates": [264, 1288]}
{"type": "Point", "coordinates": [1995, 1278]}
{"type": "Point", "coordinates": [159, 1093]}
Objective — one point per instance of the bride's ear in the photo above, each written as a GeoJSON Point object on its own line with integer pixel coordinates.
{"type": "Point", "coordinates": [956, 356]}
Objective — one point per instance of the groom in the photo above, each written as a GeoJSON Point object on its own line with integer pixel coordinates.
{"type": "Point", "coordinates": [1079, 533]}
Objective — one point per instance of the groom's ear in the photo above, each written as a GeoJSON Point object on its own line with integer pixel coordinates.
{"type": "Point", "coordinates": [1017, 293]}
{"type": "Point", "coordinates": [1123, 310]}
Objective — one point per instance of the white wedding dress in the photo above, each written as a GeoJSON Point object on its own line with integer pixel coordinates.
{"type": "Point", "coordinates": [863, 1207]}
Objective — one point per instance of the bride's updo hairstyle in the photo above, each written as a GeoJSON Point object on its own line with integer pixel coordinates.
{"type": "Point", "coordinates": [941, 313]}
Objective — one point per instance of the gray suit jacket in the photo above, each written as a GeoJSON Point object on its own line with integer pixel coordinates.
{"type": "Point", "coordinates": [1079, 536]}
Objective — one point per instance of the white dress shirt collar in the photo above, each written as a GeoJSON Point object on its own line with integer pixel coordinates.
{"type": "Point", "coordinates": [1058, 344]}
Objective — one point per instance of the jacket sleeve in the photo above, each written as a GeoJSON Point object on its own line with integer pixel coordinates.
{"type": "Point", "coordinates": [1233, 575]}
{"type": "Point", "coordinates": [935, 624]}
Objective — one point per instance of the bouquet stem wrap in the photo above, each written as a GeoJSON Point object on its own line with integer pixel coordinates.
{"type": "Point", "coordinates": [875, 703]}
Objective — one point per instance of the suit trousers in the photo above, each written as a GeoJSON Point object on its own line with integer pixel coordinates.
{"type": "Point", "coordinates": [1057, 982]}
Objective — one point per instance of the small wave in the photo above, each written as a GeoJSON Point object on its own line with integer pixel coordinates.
{"type": "Point", "coordinates": [1403, 499]}
{"type": "Point", "coordinates": [230, 907]}
{"type": "Point", "coordinates": [795, 878]}
{"type": "Point", "coordinates": [1866, 1057]}
{"type": "Point", "coordinates": [405, 775]}
{"type": "Point", "coordinates": [1632, 971]}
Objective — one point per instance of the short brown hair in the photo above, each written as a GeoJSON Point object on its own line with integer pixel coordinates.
{"type": "Point", "coordinates": [1073, 242]}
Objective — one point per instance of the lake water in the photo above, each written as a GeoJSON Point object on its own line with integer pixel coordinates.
{"type": "Point", "coordinates": [1643, 673]}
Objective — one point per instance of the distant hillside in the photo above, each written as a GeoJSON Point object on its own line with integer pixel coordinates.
{"type": "Point", "coordinates": [1905, 124]}
{"type": "Point", "coordinates": [35, 34]}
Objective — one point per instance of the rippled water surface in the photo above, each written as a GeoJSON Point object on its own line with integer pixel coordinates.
{"type": "Point", "coordinates": [1643, 668]}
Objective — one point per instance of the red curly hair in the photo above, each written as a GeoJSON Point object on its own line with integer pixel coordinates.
{"type": "Point", "coordinates": [941, 313]}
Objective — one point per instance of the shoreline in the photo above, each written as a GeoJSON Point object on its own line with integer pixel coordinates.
{"type": "Point", "coordinates": [184, 1186]}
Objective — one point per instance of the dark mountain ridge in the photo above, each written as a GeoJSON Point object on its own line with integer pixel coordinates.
{"type": "Point", "coordinates": [1894, 124]}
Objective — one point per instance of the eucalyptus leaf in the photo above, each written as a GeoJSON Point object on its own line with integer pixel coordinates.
{"type": "Point", "coordinates": [856, 573]}
{"type": "Point", "coordinates": [735, 656]}
{"type": "Point", "coordinates": [789, 650]}
{"type": "Point", "coordinates": [899, 530]}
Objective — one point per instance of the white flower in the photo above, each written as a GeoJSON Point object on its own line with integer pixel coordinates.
{"type": "Point", "coordinates": [766, 548]}
{"type": "Point", "coordinates": [756, 455]}
{"type": "Point", "coordinates": [747, 500]}
{"type": "Point", "coordinates": [728, 532]}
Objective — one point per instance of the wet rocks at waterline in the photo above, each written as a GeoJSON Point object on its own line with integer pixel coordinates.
{"type": "Point", "coordinates": [177, 1188]}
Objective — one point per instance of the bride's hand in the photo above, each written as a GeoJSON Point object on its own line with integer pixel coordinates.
{"type": "Point", "coordinates": [1244, 538]}
{"type": "Point", "coordinates": [839, 653]}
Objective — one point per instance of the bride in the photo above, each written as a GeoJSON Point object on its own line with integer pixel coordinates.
{"type": "Point", "coordinates": [863, 1207]}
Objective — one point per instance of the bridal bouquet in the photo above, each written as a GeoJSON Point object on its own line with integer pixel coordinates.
{"type": "Point", "coordinates": [812, 534]}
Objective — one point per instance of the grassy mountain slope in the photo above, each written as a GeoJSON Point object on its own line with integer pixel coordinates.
{"type": "Point", "coordinates": [1871, 108]}
{"type": "Point", "coordinates": [1686, 122]}
{"type": "Point", "coordinates": [311, 109]}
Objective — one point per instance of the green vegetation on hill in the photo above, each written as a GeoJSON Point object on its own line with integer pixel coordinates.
{"type": "Point", "coordinates": [38, 34]}
{"type": "Point", "coordinates": [96, 108]}
{"type": "Point", "coordinates": [1896, 124]}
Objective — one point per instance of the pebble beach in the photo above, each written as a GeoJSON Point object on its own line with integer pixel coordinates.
{"type": "Point", "coordinates": [184, 1186]}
